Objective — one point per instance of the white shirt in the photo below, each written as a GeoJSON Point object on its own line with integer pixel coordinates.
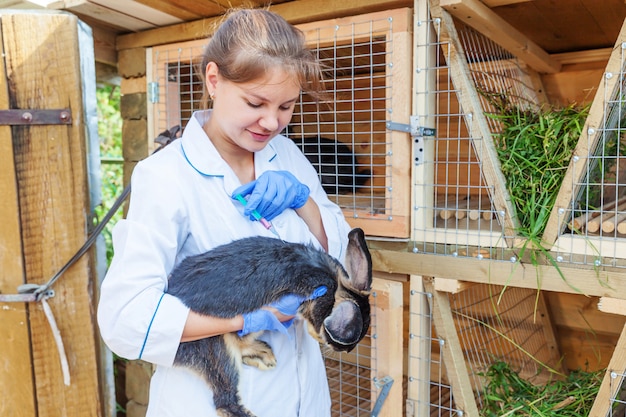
{"type": "Point", "coordinates": [181, 206]}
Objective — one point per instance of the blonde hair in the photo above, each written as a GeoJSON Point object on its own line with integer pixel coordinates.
{"type": "Point", "coordinates": [251, 41]}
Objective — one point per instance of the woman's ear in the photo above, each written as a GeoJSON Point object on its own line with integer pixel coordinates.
{"type": "Point", "coordinates": [211, 77]}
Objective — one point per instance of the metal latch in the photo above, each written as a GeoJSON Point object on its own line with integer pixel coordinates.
{"type": "Point", "coordinates": [19, 117]}
{"type": "Point", "coordinates": [385, 385]}
{"type": "Point", "coordinates": [417, 134]}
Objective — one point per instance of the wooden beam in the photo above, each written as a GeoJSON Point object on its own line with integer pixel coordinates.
{"type": "Point", "coordinates": [576, 279]}
{"type": "Point", "coordinates": [497, 3]}
{"type": "Point", "coordinates": [295, 12]}
{"type": "Point", "coordinates": [580, 57]}
{"type": "Point", "coordinates": [16, 369]}
{"type": "Point", "coordinates": [612, 305]}
{"type": "Point", "coordinates": [388, 344]}
{"type": "Point", "coordinates": [53, 195]}
{"type": "Point", "coordinates": [475, 14]}
{"type": "Point", "coordinates": [452, 286]}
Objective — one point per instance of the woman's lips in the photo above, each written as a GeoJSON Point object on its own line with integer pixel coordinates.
{"type": "Point", "coordinates": [260, 137]}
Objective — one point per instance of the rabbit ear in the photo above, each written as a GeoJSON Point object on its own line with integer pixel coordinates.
{"type": "Point", "coordinates": [358, 263]}
{"type": "Point", "coordinates": [345, 324]}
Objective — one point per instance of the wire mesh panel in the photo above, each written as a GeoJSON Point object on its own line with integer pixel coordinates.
{"type": "Point", "coordinates": [428, 392]}
{"type": "Point", "coordinates": [362, 164]}
{"type": "Point", "coordinates": [506, 325]}
{"type": "Point", "coordinates": [175, 89]}
{"type": "Point", "coordinates": [617, 406]}
{"type": "Point", "coordinates": [591, 210]}
{"type": "Point", "coordinates": [350, 378]}
{"type": "Point", "coordinates": [466, 212]}
{"type": "Point", "coordinates": [493, 325]}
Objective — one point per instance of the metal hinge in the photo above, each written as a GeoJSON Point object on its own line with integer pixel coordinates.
{"type": "Point", "coordinates": [153, 92]}
{"type": "Point", "coordinates": [27, 117]}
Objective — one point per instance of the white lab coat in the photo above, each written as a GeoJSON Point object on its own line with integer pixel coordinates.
{"type": "Point", "coordinates": [180, 206]}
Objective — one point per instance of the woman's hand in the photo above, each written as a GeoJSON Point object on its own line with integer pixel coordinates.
{"type": "Point", "coordinates": [272, 193]}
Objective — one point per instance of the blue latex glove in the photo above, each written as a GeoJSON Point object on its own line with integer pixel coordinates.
{"type": "Point", "coordinates": [261, 319]}
{"type": "Point", "coordinates": [290, 303]}
{"type": "Point", "coordinates": [272, 193]}
{"type": "Point", "coordinates": [258, 320]}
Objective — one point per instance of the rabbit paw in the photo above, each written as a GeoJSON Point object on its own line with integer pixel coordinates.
{"type": "Point", "coordinates": [258, 354]}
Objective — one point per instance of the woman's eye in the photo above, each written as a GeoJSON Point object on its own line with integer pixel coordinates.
{"type": "Point", "coordinates": [254, 105]}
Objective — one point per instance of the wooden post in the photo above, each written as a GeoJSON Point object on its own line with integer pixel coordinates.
{"type": "Point", "coordinates": [42, 56]}
{"type": "Point", "coordinates": [16, 382]}
{"type": "Point", "coordinates": [388, 343]}
{"type": "Point", "coordinates": [418, 390]}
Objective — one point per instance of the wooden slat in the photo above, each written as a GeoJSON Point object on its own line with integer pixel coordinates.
{"type": "Point", "coordinates": [42, 57]}
{"type": "Point", "coordinates": [295, 12]}
{"type": "Point", "coordinates": [420, 350]}
{"type": "Point", "coordinates": [16, 380]}
{"type": "Point", "coordinates": [185, 9]}
{"type": "Point", "coordinates": [116, 18]}
{"type": "Point", "coordinates": [482, 19]}
{"type": "Point", "coordinates": [587, 142]}
{"type": "Point", "coordinates": [388, 343]}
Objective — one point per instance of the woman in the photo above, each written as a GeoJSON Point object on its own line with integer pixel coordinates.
{"type": "Point", "coordinates": [186, 199]}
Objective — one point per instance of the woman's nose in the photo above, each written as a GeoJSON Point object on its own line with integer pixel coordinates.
{"type": "Point", "coordinates": [269, 121]}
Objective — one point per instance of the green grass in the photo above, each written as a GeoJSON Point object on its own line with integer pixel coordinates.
{"type": "Point", "coordinates": [506, 394]}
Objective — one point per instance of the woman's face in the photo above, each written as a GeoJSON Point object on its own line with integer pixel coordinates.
{"type": "Point", "coordinates": [247, 115]}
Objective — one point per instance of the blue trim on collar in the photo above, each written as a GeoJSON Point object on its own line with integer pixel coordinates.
{"type": "Point", "coordinates": [204, 174]}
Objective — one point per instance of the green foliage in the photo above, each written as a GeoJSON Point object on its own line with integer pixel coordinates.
{"type": "Point", "coordinates": [534, 149]}
{"type": "Point", "coordinates": [111, 168]}
{"type": "Point", "coordinates": [507, 394]}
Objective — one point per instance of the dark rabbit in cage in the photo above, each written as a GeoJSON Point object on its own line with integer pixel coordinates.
{"type": "Point", "coordinates": [246, 274]}
{"type": "Point", "coordinates": [336, 163]}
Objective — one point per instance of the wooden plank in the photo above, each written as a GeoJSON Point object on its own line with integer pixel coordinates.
{"type": "Point", "coordinates": [16, 379]}
{"type": "Point", "coordinates": [115, 17]}
{"type": "Point", "coordinates": [452, 286]}
{"type": "Point", "coordinates": [612, 305]}
{"type": "Point", "coordinates": [295, 12]}
{"type": "Point", "coordinates": [587, 142]}
{"type": "Point", "coordinates": [424, 90]}
{"type": "Point", "coordinates": [388, 347]}
{"type": "Point", "coordinates": [185, 9]}
{"type": "Point", "coordinates": [580, 313]}
{"type": "Point", "coordinates": [456, 367]}
{"type": "Point", "coordinates": [41, 52]}
{"type": "Point", "coordinates": [420, 350]}
{"type": "Point", "coordinates": [610, 386]}
{"type": "Point", "coordinates": [137, 9]}
{"type": "Point", "coordinates": [475, 14]}
{"type": "Point", "coordinates": [578, 279]}
{"type": "Point", "coordinates": [468, 97]}
{"type": "Point", "coordinates": [498, 3]}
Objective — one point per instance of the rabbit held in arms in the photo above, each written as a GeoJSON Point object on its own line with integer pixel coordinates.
{"type": "Point", "coordinates": [262, 270]}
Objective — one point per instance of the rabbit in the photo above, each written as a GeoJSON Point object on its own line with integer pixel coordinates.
{"type": "Point", "coordinates": [336, 164]}
{"type": "Point", "coordinates": [248, 273]}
